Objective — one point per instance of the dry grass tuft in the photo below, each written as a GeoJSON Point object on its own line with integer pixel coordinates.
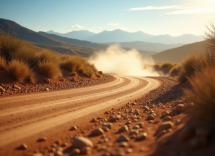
{"type": "Point", "coordinates": [203, 91]}
{"type": "Point", "coordinates": [156, 66]}
{"type": "Point", "coordinates": [9, 45]}
{"type": "Point", "coordinates": [46, 55]}
{"type": "Point", "coordinates": [167, 65]}
{"type": "Point", "coordinates": [174, 70]}
{"type": "Point", "coordinates": [49, 69]}
{"type": "Point", "coordinates": [2, 63]}
{"type": "Point", "coordinates": [18, 70]}
{"type": "Point", "coordinates": [31, 77]}
{"type": "Point", "coordinates": [210, 39]}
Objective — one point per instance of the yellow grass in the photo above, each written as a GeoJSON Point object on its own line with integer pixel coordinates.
{"type": "Point", "coordinates": [31, 76]}
{"type": "Point", "coordinates": [9, 45]}
{"type": "Point", "coordinates": [203, 91]}
{"type": "Point", "coordinates": [47, 55]}
{"type": "Point", "coordinates": [2, 63]}
{"type": "Point", "coordinates": [174, 70]}
{"type": "Point", "coordinates": [156, 66]}
{"type": "Point", "coordinates": [49, 69]}
{"type": "Point", "coordinates": [18, 70]}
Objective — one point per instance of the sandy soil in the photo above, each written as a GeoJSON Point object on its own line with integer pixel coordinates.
{"type": "Point", "coordinates": [25, 119]}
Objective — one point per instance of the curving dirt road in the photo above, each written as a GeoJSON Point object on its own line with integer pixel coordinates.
{"type": "Point", "coordinates": [27, 116]}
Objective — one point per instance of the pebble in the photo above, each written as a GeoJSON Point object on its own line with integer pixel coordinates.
{"type": "Point", "coordinates": [133, 132]}
{"type": "Point", "coordinates": [129, 150]}
{"type": "Point", "coordinates": [140, 124]}
{"type": "Point", "coordinates": [165, 113]}
{"type": "Point", "coordinates": [94, 120]}
{"type": "Point", "coordinates": [97, 131]}
{"type": "Point", "coordinates": [123, 128]}
{"type": "Point", "coordinates": [108, 125]}
{"type": "Point", "coordinates": [80, 142]}
{"type": "Point", "coordinates": [23, 146]}
{"type": "Point", "coordinates": [136, 127]}
{"type": "Point", "coordinates": [179, 108]}
{"type": "Point", "coordinates": [122, 138]}
{"type": "Point", "coordinates": [105, 129]}
{"type": "Point", "coordinates": [58, 153]}
{"type": "Point", "coordinates": [75, 151]}
{"type": "Point", "coordinates": [186, 133]}
{"type": "Point", "coordinates": [42, 139]}
{"type": "Point", "coordinates": [123, 144]}
{"type": "Point", "coordinates": [165, 125]}
{"type": "Point", "coordinates": [198, 142]}
{"type": "Point", "coordinates": [141, 136]}
{"type": "Point", "coordinates": [74, 128]}
{"type": "Point", "coordinates": [150, 117]}
{"type": "Point", "coordinates": [167, 118]}
{"type": "Point", "coordinates": [160, 133]}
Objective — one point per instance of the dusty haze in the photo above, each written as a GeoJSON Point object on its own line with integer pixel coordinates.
{"type": "Point", "coordinates": [119, 61]}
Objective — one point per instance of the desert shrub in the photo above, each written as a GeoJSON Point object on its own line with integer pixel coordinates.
{"type": "Point", "coordinates": [203, 91]}
{"type": "Point", "coordinates": [156, 66]}
{"type": "Point", "coordinates": [27, 54]}
{"type": "Point", "coordinates": [2, 63]}
{"type": "Point", "coordinates": [31, 76]}
{"type": "Point", "coordinates": [210, 39]}
{"type": "Point", "coordinates": [18, 70]}
{"type": "Point", "coordinates": [46, 55]}
{"type": "Point", "coordinates": [9, 45]}
{"type": "Point", "coordinates": [174, 70]}
{"type": "Point", "coordinates": [49, 69]}
{"type": "Point", "coordinates": [166, 65]}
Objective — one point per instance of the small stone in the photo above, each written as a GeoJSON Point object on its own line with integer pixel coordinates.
{"type": "Point", "coordinates": [105, 129]}
{"type": "Point", "coordinates": [108, 125]}
{"type": "Point", "coordinates": [123, 138]}
{"type": "Point", "coordinates": [114, 118]}
{"type": "Point", "coordinates": [198, 142]}
{"type": "Point", "coordinates": [141, 137]}
{"type": "Point", "coordinates": [64, 144]}
{"type": "Point", "coordinates": [42, 139]}
{"type": "Point", "coordinates": [123, 128]}
{"type": "Point", "coordinates": [97, 131]}
{"type": "Point", "coordinates": [74, 128]}
{"type": "Point", "coordinates": [165, 113]}
{"type": "Point", "coordinates": [186, 133]}
{"type": "Point", "coordinates": [177, 121]}
{"type": "Point", "coordinates": [58, 153]}
{"type": "Point", "coordinates": [93, 120]}
{"type": "Point", "coordinates": [160, 133]}
{"type": "Point", "coordinates": [129, 150]}
{"type": "Point", "coordinates": [133, 132]}
{"type": "Point", "coordinates": [75, 151]}
{"type": "Point", "coordinates": [136, 127]}
{"type": "Point", "coordinates": [123, 144]}
{"type": "Point", "coordinates": [23, 146]}
{"type": "Point", "coordinates": [46, 89]}
{"type": "Point", "coordinates": [150, 117]}
{"type": "Point", "coordinates": [179, 108]}
{"type": "Point", "coordinates": [86, 150]}
{"type": "Point", "coordinates": [140, 124]}
{"type": "Point", "coordinates": [165, 125]}
{"type": "Point", "coordinates": [80, 142]}
{"type": "Point", "coordinates": [47, 80]}
{"type": "Point", "coordinates": [202, 131]}
{"type": "Point", "coordinates": [167, 118]}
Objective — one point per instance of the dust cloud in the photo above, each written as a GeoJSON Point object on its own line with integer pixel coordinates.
{"type": "Point", "coordinates": [117, 60]}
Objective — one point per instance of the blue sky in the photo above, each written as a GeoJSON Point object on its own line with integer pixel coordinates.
{"type": "Point", "coordinates": [173, 17]}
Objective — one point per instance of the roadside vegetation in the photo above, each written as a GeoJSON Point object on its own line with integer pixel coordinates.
{"type": "Point", "coordinates": [24, 61]}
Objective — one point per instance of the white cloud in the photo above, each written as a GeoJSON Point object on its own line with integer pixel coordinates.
{"type": "Point", "coordinates": [115, 24]}
{"type": "Point", "coordinates": [194, 11]}
{"type": "Point", "coordinates": [77, 26]}
{"type": "Point", "coordinates": [100, 28]}
{"type": "Point", "coordinates": [154, 8]}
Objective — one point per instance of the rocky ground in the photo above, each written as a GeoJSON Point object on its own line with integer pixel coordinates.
{"type": "Point", "coordinates": [160, 123]}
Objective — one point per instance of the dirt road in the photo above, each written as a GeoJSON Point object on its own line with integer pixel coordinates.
{"type": "Point", "coordinates": [26, 117]}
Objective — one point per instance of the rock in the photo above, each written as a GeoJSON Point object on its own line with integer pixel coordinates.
{"type": "Point", "coordinates": [133, 103]}
{"type": "Point", "coordinates": [146, 108]}
{"type": "Point", "coordinates": [129, 150]}
{"type": "Point", "coordinates": [122, 138]}
{"type": "Point", "coordinates": [165, 125]}
{"type": "Point", "coordinates": [186, 133]}
{"type": "Point", "coordinates": [160, 133]}
{"type": "Point", "coordinates": [37, 154]}
{"type": "Point", "coordinates": [107, 112]}
{"type": "Point", "coordinates": [47, 80]}
{"type": "Point", "coordinates": [46, 89]}
{"type": "Point", "coordinates": [115, 118]}
{"type": "Point", "coordinates": [133, 132]}
{"type": "Point", "coordinates": [123, 144]}
{"type": "Point", "coordinates": [23, 146]}
{"type": "Point", "coordinates": [198, 142]}
{"type": "Point", "coordinates": [123, 128]}
{"type": "Point", "coordinates": [165, 113]}
{"type": "Point", "coordinates": [80, 142]}
{"type": "Point", "coordinates": [74, 128]}
{"type": "Point", "coordinates": [177, 121]}
{"type": "Point", "coordinates": [141, 136]}
{"type": "Point", "coordinates": [64, 144]}
{"type": "Point", "coordinates": [140, 124]}
{"type": "Point", "coordinates": [136, 127]}
{"type": "Point", "coordinates": [150, 117]}
{"type": "Point", "coordinates": [167, 118]}
{"type": "Point", "coordinates": [202, 132]}
{"type": "Point", "coordinates": [58, 153]}
{"type": "Point", "coordinates": [16, 87]}
{"type": "Point", "coordinates": [75, 151]}
{"type": "Point", "coordinates": [100, 72]}
{"type": "Point", "coordinates": [179, 108]}
{"type": "Point", "coordinates": [105, 129]}
{"type": "Point", "coordinates": [94, 120]}
{"type": "Point", "coordinates": [62, 80]}
{"type": "Point", "coordinates": [108, 125]}
{"type": "Point", "coordinates": [97, 131]}
{"type": "Point", "coordinates": [42, 139]}
{"type": "Point", "coordinates": [86, 150]}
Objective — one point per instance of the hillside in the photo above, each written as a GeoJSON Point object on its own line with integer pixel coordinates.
{"type": "Point", "coordinates": [176, 54]}
{"type": "Point", "coordinates": [140, 45]}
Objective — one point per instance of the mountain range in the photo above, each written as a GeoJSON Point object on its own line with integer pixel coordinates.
{"type": "Point", "coordinates": [119, 35]}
